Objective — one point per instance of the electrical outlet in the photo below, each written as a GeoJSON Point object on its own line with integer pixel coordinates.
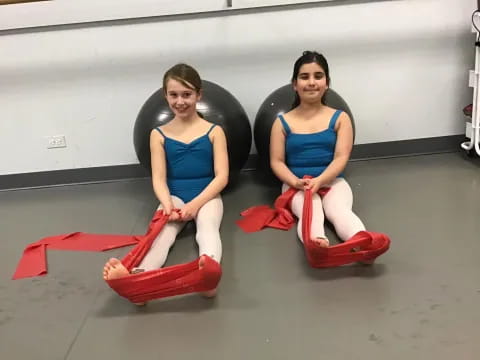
{"type": "Point", "coordinates": [57, 141]}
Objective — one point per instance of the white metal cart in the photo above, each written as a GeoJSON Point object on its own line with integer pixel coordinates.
{"type": "Point", "coordinates": [472, 127]}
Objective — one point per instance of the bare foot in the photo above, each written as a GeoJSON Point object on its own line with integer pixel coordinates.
{"type": "Point", "coordinates": [114, 269]}
{"type": "Point", "coordinates": [209, 293]}
{"type": "Point", "coordinates": [321, 241]}
{"type": "Point", "coordinates": [367, 262]}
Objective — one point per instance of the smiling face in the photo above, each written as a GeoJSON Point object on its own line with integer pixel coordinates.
{"type": "Point", "coordinates": [183, 88]}
{"type": "Point", "coordinates": [310, 78]}
{"type": "Point", "coordinates": [181, 99]}
{"type": "Point", "coordinates": [310, 83]}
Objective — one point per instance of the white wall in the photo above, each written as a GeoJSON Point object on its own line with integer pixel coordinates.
{"type": "Point", "coordinates": [58, 12]}
{"type": "Point", "coordinates": [401, 65]}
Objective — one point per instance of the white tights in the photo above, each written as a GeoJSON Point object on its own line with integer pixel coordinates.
{"type": "Point", "coordinates": [208, 221]}
{"type": "Point", "coordinates": [337, 207]}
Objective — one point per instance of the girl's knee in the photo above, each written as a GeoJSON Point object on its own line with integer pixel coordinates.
{"type": "Point", "coordinates": [343, 217]}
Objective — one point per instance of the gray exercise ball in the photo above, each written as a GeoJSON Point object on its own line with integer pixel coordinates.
{"type": "Point", "coordinates": [217, 105]}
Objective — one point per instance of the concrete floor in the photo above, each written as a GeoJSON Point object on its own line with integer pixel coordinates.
{"type": "Point", "coordinates": [419, 301]}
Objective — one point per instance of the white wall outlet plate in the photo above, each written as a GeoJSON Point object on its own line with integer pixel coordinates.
{"type": "Point", "coordinates": [57, 141]}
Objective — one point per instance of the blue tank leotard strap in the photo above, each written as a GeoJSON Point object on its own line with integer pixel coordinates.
{"type": "Point", "coordinates": [211, 128]}
{"type": "Point", "coordinates": [334, 118]}
{"type": "Point", "coordinates": [285, 125]}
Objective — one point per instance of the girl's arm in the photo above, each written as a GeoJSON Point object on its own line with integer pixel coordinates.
{"type": "Point", "coordinates": [159, 171]}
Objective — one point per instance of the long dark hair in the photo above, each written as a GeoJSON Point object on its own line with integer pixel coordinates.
{"type": "Point", "coordinates": [186, 75]}
{"type": "Point", "coordinates": [309, 57]}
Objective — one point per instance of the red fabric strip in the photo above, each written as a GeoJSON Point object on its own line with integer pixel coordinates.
{"type": "Point", "coordinates": [141, 287]}
{"type": "Point", "coordinates": [363, 246]}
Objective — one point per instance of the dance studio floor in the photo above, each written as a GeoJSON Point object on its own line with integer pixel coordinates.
{"type": "Point", "coordinates": [419, 301]}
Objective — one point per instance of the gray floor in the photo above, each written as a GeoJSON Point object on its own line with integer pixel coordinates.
{"type": "Point", "coordinates": [420, 301]}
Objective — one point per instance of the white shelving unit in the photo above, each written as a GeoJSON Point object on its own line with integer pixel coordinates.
{"type": "Point", "coordinates": [472, 126]}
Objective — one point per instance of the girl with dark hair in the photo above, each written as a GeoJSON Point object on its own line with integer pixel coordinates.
{"type": "Point", "coordinates": [309, 149]}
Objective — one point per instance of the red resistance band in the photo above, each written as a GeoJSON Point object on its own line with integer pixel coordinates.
{"type": "Point", "coordinates": [140, 287]}
{"type": "Point", "coordinates": [364, 246]}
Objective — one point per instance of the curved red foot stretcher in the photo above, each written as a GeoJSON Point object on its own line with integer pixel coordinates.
{"type": "Point", "coordinates": [141, 287]}
{"type": "Point", "coordinates": [364, 246]}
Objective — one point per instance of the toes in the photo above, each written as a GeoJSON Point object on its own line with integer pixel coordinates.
{"type": "Point", "coordinates": [201, 262]}
{"type": "Point", "coordinates": [112, 262]}
{"type": "Point", "coordinates": [322, 242]}
{"type": "Point", "coordinates": [115, 262]}
{"type": "Point", "coordinates": [109, 267]}
{"type": "Point", "coordinates": [105, 271]}
{"type": "Point", "coordinates": [210, 293]}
